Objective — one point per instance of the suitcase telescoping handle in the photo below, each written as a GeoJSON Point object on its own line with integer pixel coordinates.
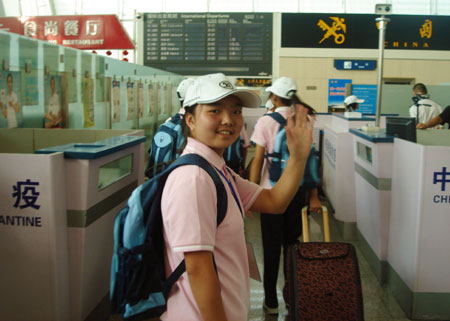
{"type": "Point", "coordinates": [326, 225]}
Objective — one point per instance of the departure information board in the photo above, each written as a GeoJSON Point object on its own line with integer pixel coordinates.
{"type": "Point", "coordinates": [200, 43]}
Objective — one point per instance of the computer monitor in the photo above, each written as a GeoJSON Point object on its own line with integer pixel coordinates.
{"type": "Point", "coordinates": [401, 127]}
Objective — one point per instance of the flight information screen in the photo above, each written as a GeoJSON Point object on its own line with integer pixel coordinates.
{"type": "Point", "coordinates": [201, 43]}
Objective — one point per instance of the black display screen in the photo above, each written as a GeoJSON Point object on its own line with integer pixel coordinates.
{"type": "Point", "coordinates": [359, 31]}
{"type": "Point", "coordinates": [200, 43]}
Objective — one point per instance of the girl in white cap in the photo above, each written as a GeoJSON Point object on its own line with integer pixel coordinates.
{"type": "Point", "coordinates": [216, 283]}
{"type": "Point", "coordinates": [278, 230]}
{"type": "Point", "coordinates": [352, 103]}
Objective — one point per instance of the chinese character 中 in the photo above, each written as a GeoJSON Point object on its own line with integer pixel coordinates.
{"type": "Point", "coordinates": [30, 29]}
{"type": "Point", "coordinates": [71, 28]}
{"type": "Point", "coordinates": [92, 27]}
{"type": "Point", "coordinates": [441, 177]}
{"type": "Point", "coordinates": [427, 29]}
{"type": "Point", "coordinates": [338, 24]}
{"type": "Point", "coordinates": [26, 192]}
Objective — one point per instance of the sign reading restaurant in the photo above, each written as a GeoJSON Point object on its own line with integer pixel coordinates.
{"type": "Point", "coordinates": [81, 32]}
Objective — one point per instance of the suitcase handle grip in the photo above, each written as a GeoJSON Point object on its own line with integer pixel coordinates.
{"type": "Point", "coordinates": [326, 225]}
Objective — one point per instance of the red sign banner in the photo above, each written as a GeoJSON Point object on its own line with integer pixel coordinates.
{"type": "Point", "coordinates": [81, 32]}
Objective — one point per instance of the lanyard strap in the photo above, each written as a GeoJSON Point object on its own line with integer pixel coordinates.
{"type": "Point", "coordinates": [232, 191]}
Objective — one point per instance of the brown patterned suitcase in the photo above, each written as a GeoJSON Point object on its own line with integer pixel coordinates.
{"type": "Point", "coordinates": [323, 280]}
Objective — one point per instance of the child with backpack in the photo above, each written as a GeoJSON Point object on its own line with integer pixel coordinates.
{"type": "Point", "coordinates": [268, 165]}
{"type": "Point", "coordinates": [168, 139]}
{"type": "Point", "coordinates": [216, 283]}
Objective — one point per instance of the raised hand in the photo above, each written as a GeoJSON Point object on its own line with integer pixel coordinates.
{"type": "Point", "coordinates": [299, 133]}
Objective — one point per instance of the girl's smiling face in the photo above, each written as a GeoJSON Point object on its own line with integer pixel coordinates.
{"type": "Point", "coordinates": [218, 124]}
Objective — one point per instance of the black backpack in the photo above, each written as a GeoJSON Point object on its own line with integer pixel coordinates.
{"type": "Point", "coordinates": [139, 288]}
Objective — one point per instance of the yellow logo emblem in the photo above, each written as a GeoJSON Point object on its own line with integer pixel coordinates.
{"type": "Point", "coordinates": [427, 29]}
{"type": "Point", "coordinates": [337, 25]}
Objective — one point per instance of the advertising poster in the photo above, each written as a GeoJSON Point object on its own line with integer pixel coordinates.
{"type": "Point", "coordinates": [169, 95]}
{"type": "Point", "coordinates": [130, 100]}
{"type": "Point", "coordinates": [151, 100]}
{"type": "Point", "coordinates": [140, 101]}
{"type": "Point", "coordinates": [100, 79]}
{"type": "Point", "coordinates": [115, 101]}
{"type": "Point", "coordinates": [87, 96]}
{"type": "Point", "coordinates": [53, 116]}
{"type": "Point", "coordinates": [4, 48]}
{"type": "Point", "coordinates": [28, 63]}
{"type": "Point", "coordinates": [336, 92]}
{"type": "Point", "coordinates": [369, 94]}
{"type": "Point", "coordinates": [162, 99]}
{"type": "Point", "coordinates": [10, 99]}
{"type": "Point", "coordinates": [70, 66]}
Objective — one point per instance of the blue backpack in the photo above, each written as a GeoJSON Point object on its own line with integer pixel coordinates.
{"type": "Point", "coordinates": [280, 157]}
{"type": "Point", "coordinates": [233, 155]}
{"type": "Point", "coordinates": [139, 288]}
{"type": "Point", "coordinates": [166, 144]}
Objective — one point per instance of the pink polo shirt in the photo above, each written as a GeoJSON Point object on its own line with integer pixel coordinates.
{"type": "Point", "coordinates": [189, 211]}
{"type": "Point", "coordinates": [264, 134]}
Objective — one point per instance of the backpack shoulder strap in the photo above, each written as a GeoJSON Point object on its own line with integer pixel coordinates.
{"type": "Point", "coordinates": [195, 159]}
{"type": "Point", "coordinates": [222, 203]}
{"type": "Point", "coordinates": [278, 117]}
{"type": "Point", "coordinates": [176, 118]}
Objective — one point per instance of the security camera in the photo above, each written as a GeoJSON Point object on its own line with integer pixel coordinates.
{"type": "Point", "coordinates": [383, 8]}
{"type": "Point", "coordinates": [138, 16]}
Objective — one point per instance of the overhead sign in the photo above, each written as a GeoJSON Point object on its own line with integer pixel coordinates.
{"type": "Point", "coordinates": [81, 32]}
{"type": "Point", "coordinates": [341, 64]}
{"type": "Point", "coordinates": [254, 82]}
{"type": "Point", "coordinates": [360, 31]}
{"type": "Point", "coordinates": [369, 94]}
{"type": "Point", "coordinates": [236, 44]}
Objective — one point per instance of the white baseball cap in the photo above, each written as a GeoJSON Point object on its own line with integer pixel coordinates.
{"type": "Point", "coordinates": [352, 99]}
{"type": "Point", "coordinates": [214, 87]}
{"type": "Point", "coordinates": [183, 86]}
{"type": "Point", "coordinates": [283, 87]}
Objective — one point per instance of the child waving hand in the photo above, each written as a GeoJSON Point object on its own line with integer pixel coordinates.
{"type": "Point", "coordinates": [215, 285]}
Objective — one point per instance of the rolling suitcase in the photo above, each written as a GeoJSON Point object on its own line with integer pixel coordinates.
{"type": "Point", "coordinates": [322, 281]}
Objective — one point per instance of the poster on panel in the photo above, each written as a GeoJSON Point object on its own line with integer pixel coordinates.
{"type": "Point", "coordinates": [10, 99]}
{"type": "Point", "coordinates": [116, 101]}
{"type": "Point", "coordinates": [87, 93]}
{"type": "Point", "coordinates": [53, 117]}
{"type": "Point", "coordinates": [130, 100]}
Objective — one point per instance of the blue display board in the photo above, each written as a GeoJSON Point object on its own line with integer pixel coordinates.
{"type": "Point", "coordinates": [336, 91]}
{"type": "Point", "coordinates": [355, 64]}
{"type": "Point", "coordinates": [369, 94]}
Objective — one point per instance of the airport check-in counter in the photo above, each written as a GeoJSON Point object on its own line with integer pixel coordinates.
{"type": "Point", "coordinates": [403, 217]}
{"type": "Point", "coordinates": [372, 154]}
{"type": "Point", "coordinates": [57, 207]}
{"type": "Point", "coordinates": [338, 173]}
{"type": "Point", "coordinates": [419, 230]}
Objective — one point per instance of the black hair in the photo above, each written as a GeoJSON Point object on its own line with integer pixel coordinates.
{"type": "Point", "coordinates": [420, 89]}
{"type": "Point", "coordinates": [184, 127]}
{"type": "Point", "coordinates": [351, 106]}
{"type": "Point", "coordinates": [294, 100]}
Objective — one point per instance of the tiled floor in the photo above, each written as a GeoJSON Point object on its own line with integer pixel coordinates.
{"type": "Point", "coordinates": [379, 304]}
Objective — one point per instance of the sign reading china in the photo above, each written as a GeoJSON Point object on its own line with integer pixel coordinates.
{"type": "Point", "coordinates": [81, 32]}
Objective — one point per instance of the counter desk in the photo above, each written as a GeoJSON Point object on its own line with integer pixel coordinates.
{"type": "Point", "coordinates": [57, 208]}
{"type": "Point", "coordinates": [419, 229]}
{"type": "Point", "coordinates": [338, 180]}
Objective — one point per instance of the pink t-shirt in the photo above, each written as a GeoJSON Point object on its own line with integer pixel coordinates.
{"type": "Point", "coordinates": [189, 211]}
{"type": "Point", "coordinates": [264, 134]}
